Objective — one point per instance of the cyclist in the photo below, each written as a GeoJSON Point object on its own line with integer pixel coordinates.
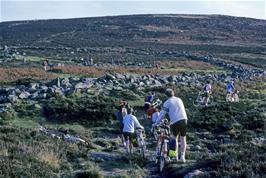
{"type": "Point", "coordinates": [174, 107]}
{"type": "Point", "coordinates": [207, 92]}
{"type": "Point", "coordinates": [130, 124]}
{"type": "Point", "coordinates": [120, 114]}
{"type": "Point", "coordinates": [148, 101]}
{"type": "Point", "coordinates": [45, 64]}
{"type": "Point", "coordinates": [230, 88]}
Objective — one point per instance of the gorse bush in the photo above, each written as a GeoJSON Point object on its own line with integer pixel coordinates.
{"type": "Point", "coordinates": [82, 109]}
{"type": "Point", "coordinates": [7, 116]}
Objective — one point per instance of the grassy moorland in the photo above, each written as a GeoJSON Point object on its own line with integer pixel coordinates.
{"type": "Point", "coordinates": [231, 134]}
{"type": "Point", "coordinates": [224, 139]}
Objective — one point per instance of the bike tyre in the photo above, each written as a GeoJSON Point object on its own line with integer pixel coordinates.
{"type": "Point", "coordinates": [161, 163]}
{"type": "Point", "coordinates": [197, 101]}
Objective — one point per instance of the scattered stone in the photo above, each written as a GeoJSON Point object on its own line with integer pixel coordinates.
{"type": "Point", "coordinates": [24, 95]}
{"type": "Point", "coordinates": [193, 174]}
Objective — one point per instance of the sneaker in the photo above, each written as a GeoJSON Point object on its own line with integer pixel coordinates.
{"type": "Point", "coordinates": [182, 158]}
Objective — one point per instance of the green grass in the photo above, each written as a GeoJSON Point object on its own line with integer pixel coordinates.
{"type": "Point", "coordinates": [184, 69]}
{"type": "Point", "coordinates": [24, 123]}
{"type": "Point", "coordinates": [20, 132]}
{"type": "Point", "coordinates": [258, 60]}
{"type": "Point", "coordinates": [30, 58]}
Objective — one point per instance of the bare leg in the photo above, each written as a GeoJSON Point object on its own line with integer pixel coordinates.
{"type": "Point", "coordinates": [176, 148]}
{"type": "Point", "coordinates": [207, 101]}
{"type": "Point", "coordinates": [123, 140]}
{"type": "Point", "coordinates": [130, 146]}
{"type": "Point", "coordinates": [183, 147]}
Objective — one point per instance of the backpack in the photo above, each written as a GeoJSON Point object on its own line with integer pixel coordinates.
{"type": "Point", "coordinates": [172, 143]}
{"type": "Point", "coordinates": [172, 147]}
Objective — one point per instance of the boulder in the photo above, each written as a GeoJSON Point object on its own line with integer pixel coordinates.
{"type": "Point", "coordinates": [110, 77]}
{"type": "Point", "coordinates": [119, 76]}
{"type": "Point", "coordinates": [12, 98]}
{"type": "Point", "coordinates": [24, 95]}
{"type": "Point", "coordinates": [33, 86]}
{"type": "Point", "coordinates": [81, 85]}
{"type": "Point", "coordinates": [65, 82]}
{"type": "Point", "coordinates": [34, 95]}
{"type": "Point", "coordinates": [44, 88]}
{"type": "Point", "coordinates": [156, 83]}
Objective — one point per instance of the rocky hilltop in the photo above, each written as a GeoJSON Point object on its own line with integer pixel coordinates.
{"type": "Point", "coordinates": [138, 37]}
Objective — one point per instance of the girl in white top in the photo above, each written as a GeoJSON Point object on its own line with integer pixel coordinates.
{"type": "Point", "coordinates": [131, 122]}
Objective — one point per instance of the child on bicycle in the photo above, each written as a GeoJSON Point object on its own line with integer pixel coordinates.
{"type": "Point", "coordinates": [230, 88]}
{"type": "Point", "coordinates": [130, 124]}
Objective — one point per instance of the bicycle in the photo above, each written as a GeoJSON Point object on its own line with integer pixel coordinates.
{"type": "Point", "coordinates": [232, 97]}
{"type": "Point", "coordinates": [155, 130]}
{"type": "Point", "coordinates": [129, 144]}
{"type": "Point", "coordinates": [200, 100]}
{"type": "Point", "coordinates": [141, 142]}
{"type": "Point", "coordinates": [162, 144]}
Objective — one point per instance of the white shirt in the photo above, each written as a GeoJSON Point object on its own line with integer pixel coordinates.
{"type": "Point", "coordinates": [130, 123]}
{"type": "Point", "coordinates": [175, 108]}
{"type": "Point", "coordinates": [155, 116]}
{"type": "Point", "coordinates": [208, 88]}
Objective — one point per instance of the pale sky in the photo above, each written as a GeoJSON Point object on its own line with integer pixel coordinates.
{"type": "Point", "coordinates": [57, 9]}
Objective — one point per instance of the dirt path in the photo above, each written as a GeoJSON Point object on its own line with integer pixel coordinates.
{"type": "Point", "coordinates": [151, 168]}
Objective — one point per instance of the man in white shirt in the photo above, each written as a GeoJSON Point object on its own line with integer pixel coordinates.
{"type": "Point", "coordinates": [130, 124]}
{"type": "Point", "coordinates": [174, 107]}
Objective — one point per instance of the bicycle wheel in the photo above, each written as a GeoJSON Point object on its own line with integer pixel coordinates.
{"type": "Point", "coordinates": [161, 163]}
{"type": "Point", "coordinates": [210, 101]}
{"type": "Point", "coordinates": [228, 98]}
{"type": "Point", "coordinates": [155, 134]}
{"type": "Point", "coordinates": [236, 98]}
{"type": "Point", "coordinates": [162, 157]}
{"type": "Point", "coordinates": [143, 150]}
{"type": "Point", "coordinates": [197, 102]}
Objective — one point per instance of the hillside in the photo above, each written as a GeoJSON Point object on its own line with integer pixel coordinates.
{"type": "Point", "coordinates": [139, 36]}
{"type": "Point", "coordinates": [59, 121]}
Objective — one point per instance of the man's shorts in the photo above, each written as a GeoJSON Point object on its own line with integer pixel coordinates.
{"type": "Point", "coordinates": [179, 128]}
{"type": "Point", "coordinates": [129, 136]}
{"type": "Point", "coordinates": [207, 94]}
{"type": "Point", "coordinates": [121, 128]}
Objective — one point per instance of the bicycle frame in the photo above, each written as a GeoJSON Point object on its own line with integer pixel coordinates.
{"type": "Point", "coordinates": [232, 97]}
{"type": "Point", "coordinates": [162, 145]}
{"type": "Point", "coordinates": [140, 140]}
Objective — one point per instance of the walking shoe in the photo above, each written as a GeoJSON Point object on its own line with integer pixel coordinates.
{"type": "Point", "coordinates": [182, 158]}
